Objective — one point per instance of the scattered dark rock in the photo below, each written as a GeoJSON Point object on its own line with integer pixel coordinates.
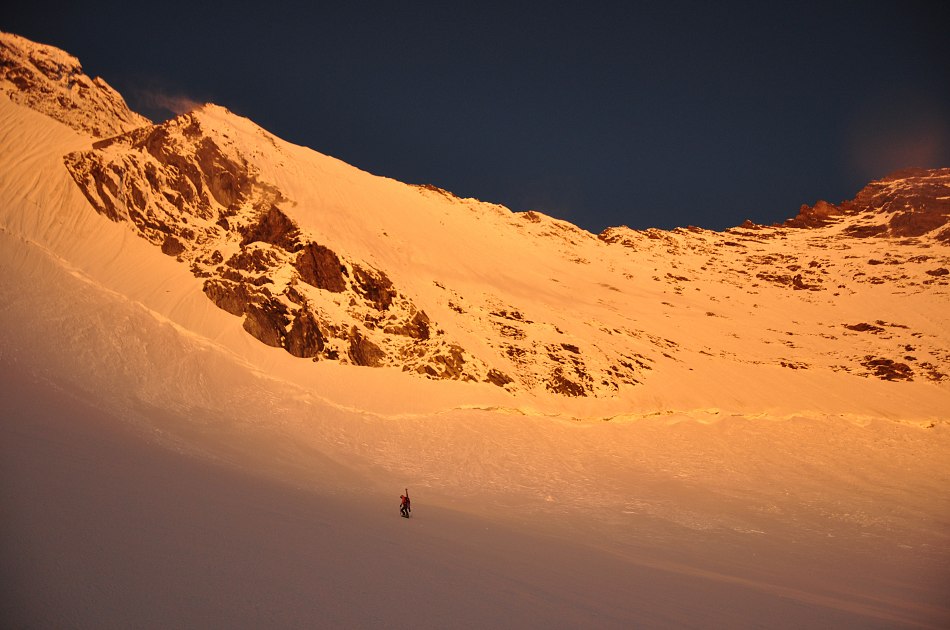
{"type": "Point", "coordinates": [799, 284]}
{"type": "Point", "coordinates": [436, 189]}
{"type": "Point", "coordinates": [512, 315]}
{"type": "Point", "coordinates": [794, 365]}
{"type": "Point", "coordinates": [515, 353]}
{"type": "Point", "coordinates": [560, 384]}
{"type": "Point", "coordinates": [256, 260]}
{"type": "Point", "coordinates": [888, 369]}
{"type": "Point", "coordinates": [511, 331]}
{"type": "Point", "coordinates": [864, 327]}
{"type": "Point", "coordinates": [497, 377]}
{"type": "Point", "coordinates": [932, 373]}
{"type": "Point", "coordinates": [374, 286]}
{"type": "Point", "coordinates": [797, 281]}
{"type": "Point", "coordinates": [416, 328]}
{"type": "Point", "coordinates": [451, 362]}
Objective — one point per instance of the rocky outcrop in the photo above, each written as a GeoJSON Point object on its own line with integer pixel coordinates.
{"type": "Point", "coordinates": [320, 267]}
{"type": "Point", "coordinates": [266, 320]}
{"type": "Point", "coordinates": [273, 227]}
{"type": "Point", "coordinates": [905, 204]}
{"type": "Point", "coordinates": [305, 339]}
{"type": "Point", "coordinates": [822, 213]}
{"type": "Point", "coordinates": [416, 328]}
{"type": "Point", "coordinates": [52, 82]}
{"type": "Point", "coordinates": [363, 351]}
{"type": "Point", "coordinates": [374, 286]}
{"type": "Point", "coordinates": [888, 369]}
{"type": "Point", "coordinates": [186, 190]}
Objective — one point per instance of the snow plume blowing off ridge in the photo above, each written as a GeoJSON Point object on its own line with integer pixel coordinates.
{"type": "Point", "coordinates": [176, 104]}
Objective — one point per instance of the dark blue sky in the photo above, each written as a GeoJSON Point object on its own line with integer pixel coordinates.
{"type": "Point", "coordinates": [676, 114]}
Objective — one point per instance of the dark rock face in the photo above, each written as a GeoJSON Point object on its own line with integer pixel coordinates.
{"type": "Point", "coordinates": [227, 181]}
{"type": "Point", "coordinates": [161, 185]}
{"type": "Point", "coordinates": [183, 192]}
{"type": "Point", "coordinates": [929, 215]}
{"type": "Point", "coordinates": [195, 196]}
{"type": "Point", "coordinates": [267, 321]}
{"type": "Point", "coordinates": [320, 267]}
{"type": "Point", "coordinates": [363, 351]}
{"type": "Point", "coordinates": [172, 246]}
{"type": "Point", "coordinates": [304, 339]}
{"type": "Point", "coordinates": [186, 187]}
{"type": "Point", "coordinates": [229, 296]}
{"type": "Point", "coordinates": [866, 231]}
{"type": "Point", "coordinates": [496, 377]}
{"type": "Point", "coordinates": [374, 286]}
{"type": "Point", "coordinates": [275, 228]}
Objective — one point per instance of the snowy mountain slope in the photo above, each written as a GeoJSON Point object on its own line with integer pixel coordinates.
{"type": "Point", "coordinates": [447, 288]}
{"type": "Point", "coordinates": [331, 263]}
{"type": "Point", "coordinates": [813, 516]}
{"type": "Point", "coordinates": [755, 457]}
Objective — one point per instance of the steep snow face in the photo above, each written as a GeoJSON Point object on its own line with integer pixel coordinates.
{"type": "Point", "coordinates": [51, 81]}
